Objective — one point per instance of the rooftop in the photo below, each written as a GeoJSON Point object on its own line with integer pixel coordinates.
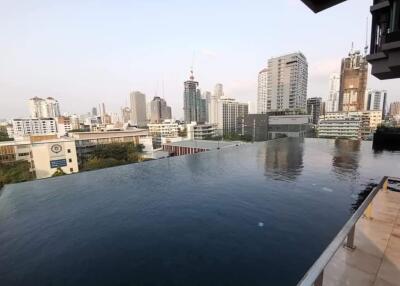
{"type": "Point", "coordinates": [205, 144]}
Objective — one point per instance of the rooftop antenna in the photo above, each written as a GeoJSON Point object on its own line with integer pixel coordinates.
{"type": "Point", "coordinates": [366, 38]}
{"type": "Point", "coordinates": [191, 68]}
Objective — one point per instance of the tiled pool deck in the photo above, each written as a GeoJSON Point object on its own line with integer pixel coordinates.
{"type": "Point", "coordinates": [376, 259]}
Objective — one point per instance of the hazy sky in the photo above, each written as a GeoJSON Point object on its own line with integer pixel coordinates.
{"type": "Point", "coordinates": [87, 52]}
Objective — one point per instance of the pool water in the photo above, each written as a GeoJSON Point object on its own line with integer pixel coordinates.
{"type": "Point", "coordinates": [256, 214]}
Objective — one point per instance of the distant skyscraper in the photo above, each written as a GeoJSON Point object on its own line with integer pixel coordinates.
{"type": "Point", "coordinates": [287, 78]}
{"type": "Point", "coordinates": [332, 104]}
{"type": "Point", "coordinates": [103, 113]}
{"type": "Point", "coordinates": [262, 94]}
{"type": "Point", "coordinates": [94, 111]}
{"type": "Point", "coordinates": [44, 108]}
{"type": "Point", "coordinates": [376, 100]}
{"type": "Point", "coordinates": [353, 82]}
{"type": "Point", "coordinates": [394, 109]}
{"type": "Point", "coordinates": [214, 103]}
{"type": "Point", "coordinates": [192, 101]}
{"type": "Point", "coordinates": [125, 114]}
{"type": "Point", "coordinates": [314, 105]}
{"type": "Point", "coordinates": [219, 90]}
{"type": "Point", "coordinates": [138, 108]}
{"type": "Point", "coordinates": [231, 116]}
{"type": "Point", "coordinates": [159, 110]}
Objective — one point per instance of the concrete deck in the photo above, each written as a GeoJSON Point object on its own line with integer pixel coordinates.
{"type": "Point", "coordinates": [376, 259]}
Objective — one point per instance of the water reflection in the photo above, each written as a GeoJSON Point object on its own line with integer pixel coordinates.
{"type": "Point", "coordinates": [284, 158]}
{"type": "Point", "coordinates": [362, 196]}
{"type": "Point", "coordinates": [346, 158]}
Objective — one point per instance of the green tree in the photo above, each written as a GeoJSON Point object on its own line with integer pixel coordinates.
{"type": "Point", "coordinates": [15, 172]}
{"type": "Point", "coordinates": [59, 172]}
{"type": "Point", "coordinates": [4, 136]}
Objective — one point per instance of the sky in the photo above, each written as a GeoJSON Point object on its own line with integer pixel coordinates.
{"type": "Point", "coordinates": [85, 52]}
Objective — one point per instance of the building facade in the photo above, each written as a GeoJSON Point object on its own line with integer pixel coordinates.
{"type": "Point", "coordinates": [213, 104]}
{"type": "Point", "coordinates": [353, 82]}
{"type": "Point", "coordinates": [256, 126]}
{"type": "Point", "coordinates": [332, 104]}
{"type": "Point", "coordinates": [296, 125]}
{"type": "Point", "coordinates": [287, 79]}
{"type": "Point", "coordinates": [201, 131]}
{"type": "Point", "coordinates": [44, 108]}
{"type": "Point", "coordinates": [314, 108]}
{"type": "Point", "coordinates": [377, 100]}
{"type": "Point", "coordinates": [231, 115]}
{"type": "Point", "coordinates": [262, 94]}
{"type": "Point", "coordinates": [192, 101]}
{"type": "Point", "coordinates": [138, 109]}
{"type": "Point", "coordinates": [159, 110]}
{"type": "Point", "coordinates": [23, 127]}
{"type": "Point", "coordinates": [167, 129]}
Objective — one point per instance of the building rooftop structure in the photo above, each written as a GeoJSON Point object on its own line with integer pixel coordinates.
{"type": "Point", "coordinates": [242, 215]}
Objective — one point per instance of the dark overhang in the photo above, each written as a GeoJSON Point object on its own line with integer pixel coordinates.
{"type": "Point", "coordinates": [319, 5]}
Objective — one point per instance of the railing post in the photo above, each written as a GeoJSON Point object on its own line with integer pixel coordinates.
{"type": "Point", "coordinates": [320, 280]}
{"type": "Point", "coordinates": [385, 185]}
{"type": "Point", "coordinates": [368, 212]}
{"type": "Point", "coordinates": [350, 238]}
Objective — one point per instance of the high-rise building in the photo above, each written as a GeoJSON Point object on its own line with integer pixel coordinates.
{"type": "Point", "coordinates": [138, 108]}
{"type": "Point", "coordinates": [394, 109]}
{"type": "Point", "coordinates": [332, 104]}
{"type": "Point", "coordinates": [353, 82]}
{"type": "Point", "coordinates": [159, 110]}
{"type": "Point", "coordinates": [231, 116]}
{"type": "Point", "coordinates": [44, 108]}
{"type": "Point", "coordinates": [314, 105]}
{"type": "Point", "coordinates": [125, 114]}
{"type": "Point", "coordinates": [287, 78]}
{"type": "Point", "coordinates": [94, 111]}
{"type": "Point", "coordinates": [376, 100]}
{"type": "Point", "coordinates": [262, 94]}
{"type": "Point", "coordinates": [214, 103]}
{"type": "Point", "coordinates": [193, 103]}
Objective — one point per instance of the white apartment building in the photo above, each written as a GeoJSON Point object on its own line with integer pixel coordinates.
{"type": "Point", "coordinates": [376, 100]}
{"type": "Point", "coordinates": [44, 126]}
{"type": "Point", "coordinates": [332, 104]}
{"type": "Point", "coordinates": [167, 129]}
{"type": "Point", "coordinates": [231, 115]}
{"type": "Point", "coordinates": [286, 86]}
{"type": "Point", "coordinates": [200, 131]}
{"type": "Point", "coordinates": [138, 109]}
{"type": "Point", "coordinates": [44, 156]}
{"type": "Point", "coordinates": [48, 156]}
{"type": "Point", "coordinates": [349, 124]}
{"type": "Point", "coordinates": [213, 103]}
{"type": "Point", "coordinates": [340, 128]}
{"type": "Point", "coordinates": [262, 93]}
{"type": "Point", "coordinates": [44, 108]}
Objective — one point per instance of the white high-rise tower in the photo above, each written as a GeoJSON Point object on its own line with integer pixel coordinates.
{"type": "Point", "coordinates": [138, 108]}
{"type": "Point", "coordinates": [287, 78]}
{"type": "Point", "coordinates": [262, 91]}
{"type": "Point", "coordinates": [332, 104]}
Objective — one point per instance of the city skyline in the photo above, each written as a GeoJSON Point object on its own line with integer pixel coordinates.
{"type": "Point", "coordinates": [103, 55]}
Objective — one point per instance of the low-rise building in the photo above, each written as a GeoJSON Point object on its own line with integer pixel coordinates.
{"type": "Point", "coordinates": [44, 156]}
{"type": "Point", "coordinates": [368, 120]}
{"type": "Point", "coordinates": [256, 126]}
{"type": "Point", "coordinates": [167, 129]}
{"type": "Point", "coordinates": [29, 126]}
{"type": "Point", "coordinates": [201, 131]}
{"type": "Point", "coordinates": [288, 126]}
{"type": "Point", "coordinates": [340, 128]}
{"type": "Point", "coordinates": [49, 156]}
{"type": "Point", "coordinates": [87, 141]}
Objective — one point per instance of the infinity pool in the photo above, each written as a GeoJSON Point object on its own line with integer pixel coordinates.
{"type": "Point", "coordinates": [256, 214]}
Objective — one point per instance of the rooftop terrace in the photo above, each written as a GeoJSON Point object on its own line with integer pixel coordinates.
{"type": "Point", "coordinates": [253, 214]}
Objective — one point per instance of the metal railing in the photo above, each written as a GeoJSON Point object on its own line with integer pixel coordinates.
{"type": "Point", "coordinates": [315, 275]}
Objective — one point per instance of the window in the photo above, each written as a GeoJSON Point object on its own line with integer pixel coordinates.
{"type": "Point", "coordinates": [71, 170]}
{"type": "Point", "coordinates": [69, 150]}
{"type": "Point", "coordinates": [70, 160]}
